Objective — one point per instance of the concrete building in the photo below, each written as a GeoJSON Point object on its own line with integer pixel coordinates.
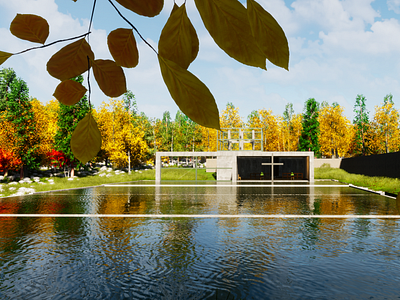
{"type": "Point", "coordinates": [240, 157]}
{"type": "Point", "coordinates": [251, 165]}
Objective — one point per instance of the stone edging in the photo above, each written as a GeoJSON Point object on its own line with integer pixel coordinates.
{"type": "Point", "coordinates": [385, 194]}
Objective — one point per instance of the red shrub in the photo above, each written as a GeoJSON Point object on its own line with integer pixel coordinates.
{"type": "Point", "coordinates": [8, 161]}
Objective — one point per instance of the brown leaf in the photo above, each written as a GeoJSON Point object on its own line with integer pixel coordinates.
{"type": "Point", "coordinates": [178, 40]}
{"type": "Point", "coordinates": [148, 8]}
{"type": "Point", "coordinates": [268, 34]}
{"type": "Point", "coordinates": [32, 28]}
{"type": "Point", "coordinates": [228, 24]}
{"type": "Point", "coordinates": [110, 77]}
{"type": "Point", "coordinates": [86, 139]}
{"type": "Point", "coordinates": [4, 56]}
{"type": "Point", "coordinates": [122, 45]}
{"type": "Point", "coordinates": [69, 92]}
{"type": "Point", "coordinates": [70, 61]}
{"type": "Point", "coordinates": [190, 94]}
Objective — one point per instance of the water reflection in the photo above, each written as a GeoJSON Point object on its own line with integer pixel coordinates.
{"type": "Point", "coordinates": [189, 258]}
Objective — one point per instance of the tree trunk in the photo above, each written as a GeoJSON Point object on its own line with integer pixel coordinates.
{"type": "Point", "coordinates": [386, 143]}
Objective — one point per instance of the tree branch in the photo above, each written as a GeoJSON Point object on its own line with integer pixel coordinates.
{"type": "Point", "coordinates": [55, 42]}
{"type": "Point", "coordinates": [134, 28]}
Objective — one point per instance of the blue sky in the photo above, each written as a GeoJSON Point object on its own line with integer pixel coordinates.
{"type": "Point", "coordinates": [338, 49]}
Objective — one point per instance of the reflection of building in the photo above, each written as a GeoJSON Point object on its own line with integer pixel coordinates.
{"type": "Point", "coordinates": [240, 156]}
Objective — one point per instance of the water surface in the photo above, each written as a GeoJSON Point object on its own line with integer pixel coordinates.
{"type": "Point", "coordinates": [192, 258]}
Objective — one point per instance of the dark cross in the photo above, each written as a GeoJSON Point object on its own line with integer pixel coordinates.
{"type": "Point", "coordinates": [272, 164]}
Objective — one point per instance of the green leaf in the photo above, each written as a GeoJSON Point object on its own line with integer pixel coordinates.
{"type": "Point", "coordinates": [178, 40]}
{"type": "Point", "coordinates": [71, 60]}
{"type": "Point", "coordinates": [190, 94]}
{"type": "Point", "coordinates": [4, 56]}
{"type": "Point", "coordinates": [86, 139]}
{"type": "Point", "coordinates": [228, 24]}
{"type": "Point", "coordinates": [69, 92]}
{"type": "Point", "coordinates": [28, 27]}
{"type": "Point", "coordinates": [148, 8]}
{"type": "Point", "coordinates": [268, 34]}
{"type": "Point", "coordinates": [122, 45]}
{"type": "Point", "coordinates": [110, 77]}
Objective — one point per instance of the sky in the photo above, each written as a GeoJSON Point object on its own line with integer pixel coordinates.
{"type": "Point", "coordinates": [338, 49]}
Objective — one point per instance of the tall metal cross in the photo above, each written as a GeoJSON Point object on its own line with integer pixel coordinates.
{"type": "Point", "coordinates": [272, 164]}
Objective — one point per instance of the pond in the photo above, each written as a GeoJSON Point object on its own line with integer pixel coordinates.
{"type": "Point", "coordinates": [229, 245]}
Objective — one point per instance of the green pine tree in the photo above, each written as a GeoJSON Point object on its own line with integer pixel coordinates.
{"type": "Point", "coordinates": [361, 121]}
{"type": "Point", "coordinates": [309, 135]}
{"type": "Point", "coordinates": [68, 119]}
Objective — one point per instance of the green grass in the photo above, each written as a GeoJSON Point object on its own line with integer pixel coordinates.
{"type": "Point", "coordinates": [64, 183]}
{"type": "Point", "coordinates": [390, 185]}
{"type": "Point", "coordinates": [185, 174]}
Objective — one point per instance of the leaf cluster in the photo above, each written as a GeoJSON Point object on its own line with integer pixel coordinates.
{"type": "Point", "coordinates": [248, 34]}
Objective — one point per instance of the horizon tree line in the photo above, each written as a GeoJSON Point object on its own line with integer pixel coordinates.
{"type": "Point", "coordinates": [33, 134]}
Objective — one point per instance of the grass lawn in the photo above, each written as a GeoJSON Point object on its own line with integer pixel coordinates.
{"type": "Point", "coordinates": [63, 183]}
{"type": "Point", "coordinates": [386, 184]}
{"type": "Point", "coordinates": [391, 185]}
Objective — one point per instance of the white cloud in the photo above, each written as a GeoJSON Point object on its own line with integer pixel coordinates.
{"type": "Point", "coordinates": [335, 15]}
{"type": "Point", "coordinates": [394, 5]}
{"type": "Point", "coordinates": [384, 37]}
{"type": "Point", "coordinates": [338, 49]}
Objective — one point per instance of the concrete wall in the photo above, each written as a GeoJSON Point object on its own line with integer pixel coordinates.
{"type": "Point", "coordinates": [387, 165]}
{"type": "Point", "coordinates": [211, 165]}
{"type": "Point", "coordinates": [333, 162]}
{"type": "Point", "coordinates": [226, 165]}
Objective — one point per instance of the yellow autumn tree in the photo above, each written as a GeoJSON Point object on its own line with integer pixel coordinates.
{"type": "Point", "coordinates": [119, 136]}
{"type": "Point", "coordinates": [230, 117]}
{"type": "Point", "coordinates": [336, 132]}
{"type": "Point", "coordinates": [269, 123]}
{"type": "Point", "coordinates": [45, 121]}
{"type": "Point", "coordinates": [384, 133]}
{"type": "Point", "coordinates": [290, 132]}
{"type": "Point", "coordinates": [7, 134]}
{"type": "Point", "coordinates": [209, 139]}
{"type": "Point", "coordinates": [290, 129]}
{"type": "Point", "coordinates": [228, 120]}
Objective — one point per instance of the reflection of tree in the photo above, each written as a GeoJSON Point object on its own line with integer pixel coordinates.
{"type": "Point", "coordinates": [361, 231]}
{"type": "Point", "coordinates": [8, 229]}
{"type": "Point", "coordinates": [178, 246]}
{"type": "Point", "coordinates": [177, 237]}
{"type": "Point", "coordinates": [235, 245]}
{"type": "Point", "coordinates": [310, 227]}
{"type": "Point", "coordinates": [117, 236]}
{"type": "Point", "coordinates": [242, 250]}
{"type": "Point", "coordinates": [388, 232]}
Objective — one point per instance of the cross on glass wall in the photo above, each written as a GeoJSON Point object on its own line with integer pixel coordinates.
{"type": "Point", "coordinates": [272, 164]}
